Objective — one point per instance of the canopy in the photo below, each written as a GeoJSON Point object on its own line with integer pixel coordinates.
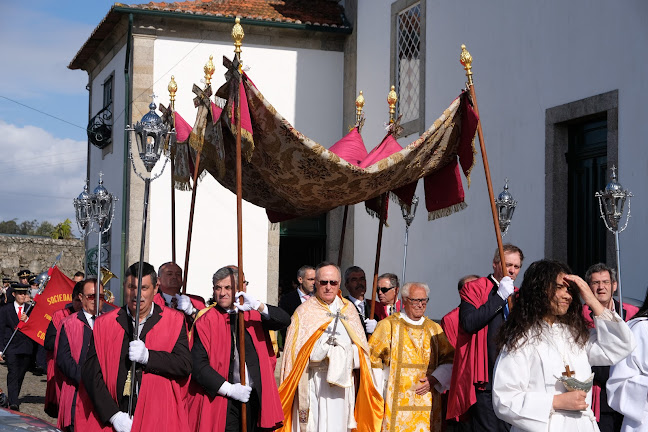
{"type": "Point", "coordinates": [287, 173]}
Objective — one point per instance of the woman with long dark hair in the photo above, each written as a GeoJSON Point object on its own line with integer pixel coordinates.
{"type": "Point", "coordinates": [546, 348]}
{"type": "Point", "coordinates": [627, 387]}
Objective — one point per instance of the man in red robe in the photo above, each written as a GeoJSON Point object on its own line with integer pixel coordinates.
{"type": "Point", "coordinates": [162, 365]}
{"type": "Point", "coordinates": [388, 302]}
{"type": "Point", "coordinates": [170, 278]}
{"type": "Point", "coordinates": [603, 283]}
{"type": "Point", "coordinates": [482, 311]}
{"type": "Point", "coordinates": [54, 377]}
{"type": "Point", "coordinates": [71, 349]}
{"type": "Point", "coordinates": [450, 321]}
{"type": "Point", "coordinates": [216, 392]}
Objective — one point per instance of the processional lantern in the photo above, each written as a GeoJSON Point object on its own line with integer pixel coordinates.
{"type": "Point", "coordinates": [505, 208]}
{"type": "Point", "coordinates": [611, 204]}
{"type": "Point", "coordinates": [153, 137]}
{"type": "Point", "coordinates": [95, 213]}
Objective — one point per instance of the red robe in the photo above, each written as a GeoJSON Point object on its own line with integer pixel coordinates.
{"type": "Point", "coordinates": [470, 366]}
{"type": "Point", "coordinates": [160, 403]}
{"type": "Point", "coordinates": [54, 376]}
{"type": "Point", "coordinates": [450, 325]}
{"type": "Point", "coordinates": [629, 312]}
{"type": "Point", "coordinates": [207, 414]}
{"type": "Point", "coordinates": [381, 310]}
{"type": "Point", "coordinates": [74, 331]}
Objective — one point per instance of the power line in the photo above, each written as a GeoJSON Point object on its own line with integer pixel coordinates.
{"type": "Point", "coordinates": [43, 112]}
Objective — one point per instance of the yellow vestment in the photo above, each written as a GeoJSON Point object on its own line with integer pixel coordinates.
{"type": "Point", "coordinates": [309, 321]}
{"type": "Point", "coordinates": [411, 352]}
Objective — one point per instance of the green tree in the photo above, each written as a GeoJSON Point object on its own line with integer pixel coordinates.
{"type": "Point", "coordinates": [45, 229]}
{"type": "Point", "coordinates": [9, 227]}
{"type": "Point", "coordinates": [63, 230]}
{"type": "Point", "coordinates": [28, 227]}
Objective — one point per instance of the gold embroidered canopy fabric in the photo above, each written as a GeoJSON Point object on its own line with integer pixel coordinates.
{"type": "Point", "coordinates": [287, 173]}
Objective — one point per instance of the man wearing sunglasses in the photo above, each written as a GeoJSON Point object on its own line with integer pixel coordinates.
{"type": "Point", "coordinates": [324, 344]}
{"type": "Point", "coordinates": [71, 349]}
{"type": "Point", "coordinates": [355, 282]}
{"type": "Point", "coordinates": [389, 303]}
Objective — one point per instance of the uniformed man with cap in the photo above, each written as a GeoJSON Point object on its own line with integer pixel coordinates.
{"type": "Point", "coordinates": [23, 276]}
{"type": "Point", "coordinates": [6, 283]}
{"type": "Point", "coordinates": [19, 353]}
{"type": "Point", "coordinates": [39, 363]}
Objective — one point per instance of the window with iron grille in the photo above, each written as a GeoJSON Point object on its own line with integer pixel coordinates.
{"type": "Point", "coordinates": [408, 62]}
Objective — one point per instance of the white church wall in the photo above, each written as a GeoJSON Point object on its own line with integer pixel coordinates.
{"type": "Point", "coordinates": [298, 83]}
{"type": "Point", "coordinates": [527, 57]}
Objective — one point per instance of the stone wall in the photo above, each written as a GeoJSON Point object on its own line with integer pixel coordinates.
{"type": "Point", "coordinates": [38, 253]}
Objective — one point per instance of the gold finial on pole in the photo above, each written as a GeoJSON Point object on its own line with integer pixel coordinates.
{"type": "Point", "coordinates": [360, 101]}
{"type": "Point", "coordinates": [237, 35]}
{"type": "Point", "coordinates": [173, 88]}
{"type": "Point", "coordinates": [466, 60]}
{"type": "Point", "coordinates": [209, 70]}
{"type": "Point", "coordinates": [392, 98]}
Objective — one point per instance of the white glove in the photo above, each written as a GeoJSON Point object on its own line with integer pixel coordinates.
{"type": "Point", "coordinates": [506, 287]}
{"type": "Point", "coordinates": [249, 302]}
{"type": "Point", "coordinates": [184, 304]}
{"type": "Point", "coordinates": [121, 421]}
{"type": "Point", "coordinates": [236, 391]}
{"type": "Point", "coordinates": [370, 325]}
{"type": "Point", "coordinates": [138, 352]}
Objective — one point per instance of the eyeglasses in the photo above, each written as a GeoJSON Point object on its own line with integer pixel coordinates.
{"type": "Point", "coordinates": [385, 290]}
{"type": "Point", "coordinates": [92, 296]}
{"type": "Point", "coordinates": [333, 283]}
{"type": "Point", "coordinates": [246, 283]}
{"type": "Point", "coordinates": [606, 283]}
{"type": "Point", "coordinates": [418, 301]}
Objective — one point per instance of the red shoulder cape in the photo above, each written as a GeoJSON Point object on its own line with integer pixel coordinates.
{"type": "Point", "coordinates": [470, 364]}
{"type": "Point", "coordinates": [156, 391]}
{"type": "Point", "coordinates": [54, 376]}
{"type": "Point", "coordinates": [450, 325]}
{"type": "Point", "coordinates": [74, 330]}
{"type": "Point", "coordinates": [213, 327]}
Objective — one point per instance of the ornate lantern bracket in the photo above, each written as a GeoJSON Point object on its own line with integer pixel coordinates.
{"type": "Point", "coordinates": [100, 128]}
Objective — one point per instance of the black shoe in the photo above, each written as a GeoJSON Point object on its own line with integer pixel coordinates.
{"type": "Point", "coordinates": [38, 371]}
{"type": "Point", "coordinates": [14, 407]}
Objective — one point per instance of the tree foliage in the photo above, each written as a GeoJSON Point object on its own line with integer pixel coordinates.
{"type": "Point", "coordinates": [62, 230]}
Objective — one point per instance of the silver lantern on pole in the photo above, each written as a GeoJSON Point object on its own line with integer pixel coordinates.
{"type": "Point", "coordinates": [408, 215]}
{"type": "Point", "coordinates": [82, 212]}
{"type": "Point", "coordinates": [153, 138]}
{"type": "Point", "coordinates": [505, 208]}
{"type": "Point", "coordinates": [611, 204]}
{"type": "Point", "coordinates": [95, 213]}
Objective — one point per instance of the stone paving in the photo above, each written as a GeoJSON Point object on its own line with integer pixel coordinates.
{"type": "Point", "coordinates": [32, 394]}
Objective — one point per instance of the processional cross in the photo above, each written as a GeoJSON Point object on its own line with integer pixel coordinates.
{"type": "Point", "coordinates": [568, 372]}
{"type": "Point", "coordinates": [337, 315]}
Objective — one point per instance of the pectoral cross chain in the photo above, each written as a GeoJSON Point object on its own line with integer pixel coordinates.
{"type": "Point", "coordinates": [568, 372]}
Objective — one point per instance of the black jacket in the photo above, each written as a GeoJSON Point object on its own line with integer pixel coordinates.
{"type": "Point", "coordinates": [20, 344]}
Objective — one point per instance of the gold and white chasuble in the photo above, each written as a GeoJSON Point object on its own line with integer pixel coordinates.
{"type": "Point", "coordinates": [407, 351]}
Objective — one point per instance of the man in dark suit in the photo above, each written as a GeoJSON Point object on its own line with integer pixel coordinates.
{"type": "Point", "coordinates": [18, 355]}
{"type": "Point", "coordinates": [291, 300]}
{"type": "Point", "coordinates": [355, 282]}
{"type": "Point", "coordinates": [217, 392]}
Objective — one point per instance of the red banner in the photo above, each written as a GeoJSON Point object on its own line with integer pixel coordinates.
{"type": "Point", "coordinates": [55, 296]}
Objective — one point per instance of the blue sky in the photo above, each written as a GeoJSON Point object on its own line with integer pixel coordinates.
{"type": "Point", "coordinates": [42, 158]}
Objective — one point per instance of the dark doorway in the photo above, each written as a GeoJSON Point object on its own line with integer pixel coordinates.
{"type": "Point", "coordinates": [302, 241]}
{"type": "Point", "coordinates": [587, 160]}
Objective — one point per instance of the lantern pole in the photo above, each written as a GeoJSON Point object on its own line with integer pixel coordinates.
{"type": "Point", "coordinates": [408, 215]}
{"type": "Point", "coordinates": [151, 134]}
{"type": "Point", "coordinates": [173, 88]}
{"type": "Point", "coordinates": [466, 60]}
{"type": "Point", "coordinates": [611, 204]}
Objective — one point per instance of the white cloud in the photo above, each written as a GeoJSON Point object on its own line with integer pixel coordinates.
{"type": "Point", "coordinates": [41, 174]}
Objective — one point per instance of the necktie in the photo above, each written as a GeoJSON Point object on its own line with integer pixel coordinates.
{"type": "Point", "coordinates": [506, 311]}
{"type": "Point", "coordinates": [174, 302]}
{"type": "Point", "coordinates": [19, 311]}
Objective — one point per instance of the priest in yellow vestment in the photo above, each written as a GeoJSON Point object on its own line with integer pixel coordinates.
{"type": "Point", "coordinates": [325, 343]}
{"type": "Point", "coordinates": [412, 359]}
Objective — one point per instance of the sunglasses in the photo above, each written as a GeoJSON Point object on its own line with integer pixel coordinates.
{"type": "Point", "coordinates": [385, 290]}
{"type": "Point", "coordinates": [333, 283]}
{"type": "Point", "coordinates": [92, 296]}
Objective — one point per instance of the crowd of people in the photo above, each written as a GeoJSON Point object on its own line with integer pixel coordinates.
{"type": "Point", "coordinates": [551, 355]}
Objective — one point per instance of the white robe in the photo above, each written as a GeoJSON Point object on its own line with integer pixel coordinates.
{"type": "Point", "coordinates": [627, 387]}
{"type": "Point", "coordinates": [331, 406]}
{"type": "Point", "coordinates": [526, 380]}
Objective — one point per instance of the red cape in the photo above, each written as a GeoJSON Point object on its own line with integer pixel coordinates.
{"type": "Point", "coordinates": [470, 366]}
{"type": "Point", "coordinates": [450, 325]}
{"type": "Point", "coordinates": [630, 311]}
{"type": "Point", "coordinates": [155, 392]}
{"type": "Point", "coordinates": [213, 328]}
{"type": "Point", "coordinates": [54, 376]}
{"type": "Point", "coordinates": [74, 331]}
